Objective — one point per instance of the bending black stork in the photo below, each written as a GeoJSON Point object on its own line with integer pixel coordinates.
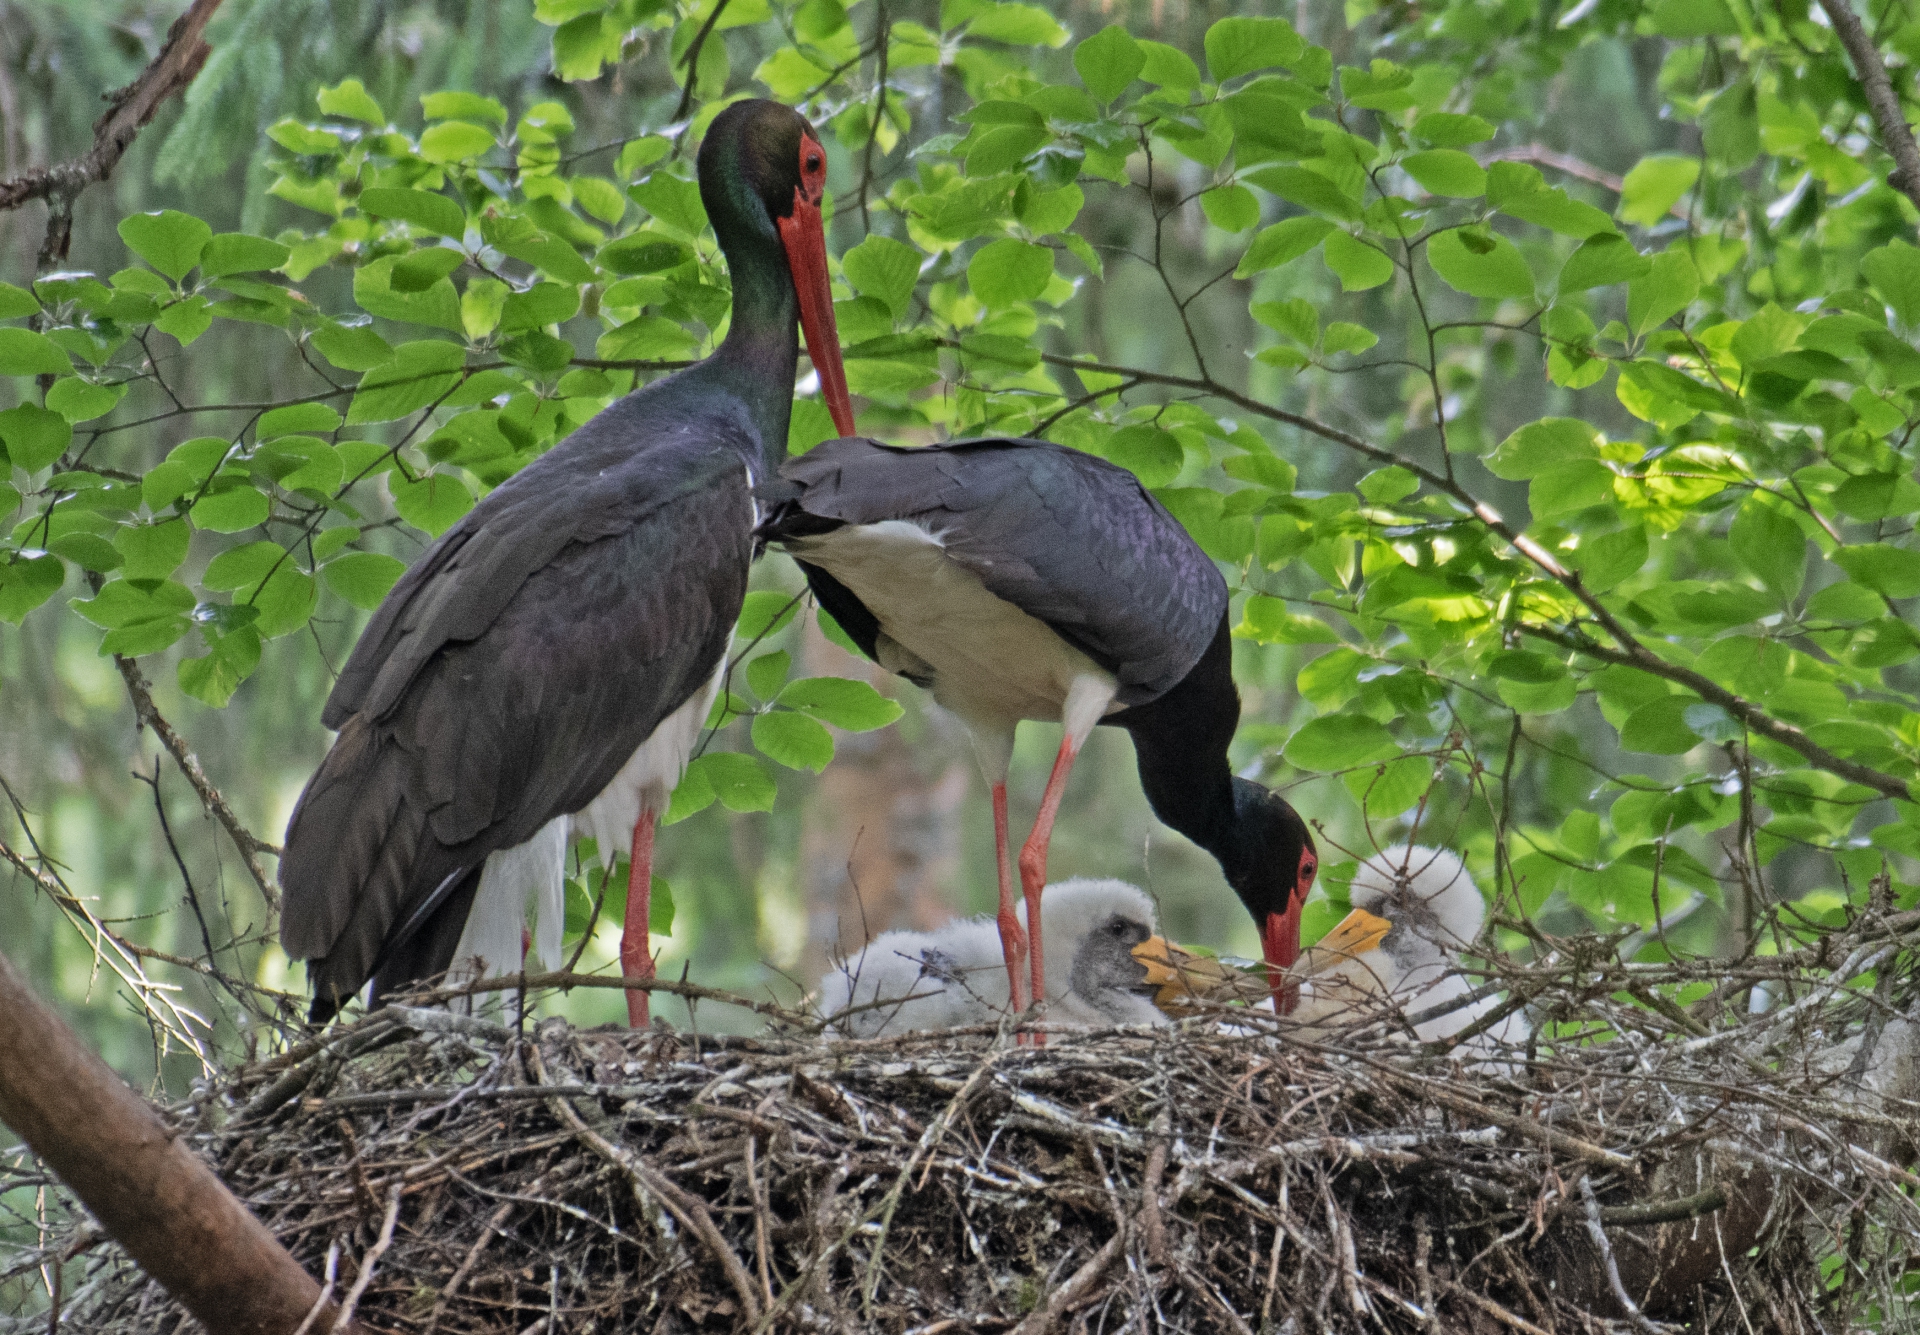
{"type": "Point", "coordinates": [547, 664]}
{"type": "Point", "coordinates": [1018, 579]}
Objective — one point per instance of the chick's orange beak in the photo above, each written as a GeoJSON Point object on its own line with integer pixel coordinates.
{"type": "Point", "coordinates": [1351, 937]}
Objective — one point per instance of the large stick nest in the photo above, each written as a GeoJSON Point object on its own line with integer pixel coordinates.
{"type": "Point", "coordinates": [1731, 1171]}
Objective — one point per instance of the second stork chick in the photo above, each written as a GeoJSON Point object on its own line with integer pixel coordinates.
{"type": "Point", "coordinates": [1414, 911]}
{"type": "Point", "coordinates": [955, 975]}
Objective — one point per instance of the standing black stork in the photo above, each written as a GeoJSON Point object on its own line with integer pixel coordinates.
{"type": "Point", "coordinates": [1019, 579]}
{"type": "Point", "coordinates": [547, 664]}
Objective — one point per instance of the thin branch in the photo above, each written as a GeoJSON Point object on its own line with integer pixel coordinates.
{"type": "Point", "coordinates": [690, 62]}
{"type": "Point", "coordinates": [128, 110]}
{"type": "Point", "coordinates": [244, 840]}
{"type": "Point", "coordinates": [1632, 652]}
{"type": "Point", "coordinates": [1872, 73]}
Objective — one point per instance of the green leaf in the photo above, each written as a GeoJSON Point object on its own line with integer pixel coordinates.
{"type": "Point", "coordinates": [1480, 263]}
{"type": "Point", "coordinates": [236, 507]}
{"type": "Point", "coordinates": [793, 740]}
{"type": "Point", "coordinates": [363, 578]}
{"type": "Point", "coordinates": [1894, 271]}
{"type": "Point", "coordinates": [1893, 571]}
{"type": "Point", "coordinates": [419, 208]}
{"type": "Point", "coordinates": [1169, 67]}
{"type": "Point", "coordinates": [80, 400]}
{"type": "Point", "coordinates": [454, 141]}
{"type": "Point", "coordinates": [1447, 171]}
{"type": "Point", "coordinates": [153, 551]}
{"type": "Point", "coordinates": [1231, 208]}
{"type": "Point", "coordinates": [1574, 486]}
{"type": "Point", "coordinates": [462, 106]}
{"type": "Point", "coordinates": [1007, 271]}
{"type": "Point", "coordinates": [540, 305]}
{"type": "Point", "coordinates": [33, 436]}
{"type": "Point", "coordinates": [350, 98]}
{"type": "Point", "coordinates": [1152, 454]}
{"type": "Point", "coordinates": [89, 551]}
{"type": "Point", "coordinates": [1342, 336]}
{"type": "Point", "coordinates": [1270, 621]}
{"type": "Point", "coordinates": [1654, 186]}
{"type": "Point", "coordinates": [1309, 189]}
{"type": "Point", "coordinates": [1660, 727]}
{"type": "Point", "coordinates": [884, 268]}
{"type": "Point", "coordinates": [674, 201]}
{"type": "Point", "coordinates": [1108, 61]}
{"type": "Point", "coordinates": [16, 301]}
{"type": "Point", "coordinates": [295, 419]}
{"type": "Point", "coordinates": [231, 659]}
{"type": "Point", "coordinates": [1385, 791]}
{"type": "Point", "coordinates": [1770, 545]}
{"type": "Point", "coordinates": [1356, 264]}
{"type": "Point", "coordinates": [170, 241]}
{"type": "Point", "coordinates": [1046, 212]}
{"type": "Point", "coordinates": [764, 613]}
{"type": "Point", "coordinates": [23, 352]}
{"type": "Point", "coordinates": [737, 780]}
{"type": "Point", "coordinates": [1384, 486]}
{"type": "Point", "coordinates": [1666, 289]}
{"type": "Point", "coordinates": [1605, 561]}
{"type": "Point", "coordinates": [845, 703]}
{"type": "Point", "coordinates": [1281, 244]}
{"type": "Point", "coordinates": [238, 567]}
{"type": "Point", "coordinates": [1237, 46]}
{"type": "Point", "coordinates": [351, 347]}
{"type": "Point", "coordinates": [1542, 446]}
{"type": "Point", "coordinates": [27, 583]}
{"type": "Point", "coordinates": [435, 304]}
{"type": "Point", "coordinates": [1601, 260]}
{"type": "Point", "coordinates": [1445, 129]}
{"type": "Point", "coordinates": [237, 252]}
{"type": "Point", "coordinates": [185, 320]}
{"type": "Point", "coordinates": [1340, 741]}
{"type": "Point", "coordinates": [1692, 18]}
{"type": "Point", "coordinates": [435, 503]}
{"type": "Point", "coordinates": [1018, 25]}
{"type": "Point", "coordinates": [767, 673]}
{"type": "Point", "coordinates": [419, 373]}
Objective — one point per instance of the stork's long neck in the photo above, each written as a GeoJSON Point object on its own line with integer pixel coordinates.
{"type": "Point", "coordinates": [757, 361]}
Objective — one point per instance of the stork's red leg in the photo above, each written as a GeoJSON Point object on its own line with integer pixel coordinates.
{"type": "Point", "coordinates": [636, 953]}
{"type": "Point", "coordinates": [1033, 858]}
{"type": "Point", "coordinates": [1013, 941]}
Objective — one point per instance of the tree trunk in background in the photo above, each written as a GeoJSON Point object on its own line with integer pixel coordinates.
{"type": "Point", "coordinates": [880, 843]}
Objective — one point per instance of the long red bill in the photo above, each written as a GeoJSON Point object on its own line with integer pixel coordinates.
{"type": "Point", "coordinates": [1280, 943]}
{"type": "Point", "coordinates": [806, 241]}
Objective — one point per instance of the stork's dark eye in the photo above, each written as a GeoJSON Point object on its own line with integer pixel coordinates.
{"type": "Point", "coordinates": [813, 162]}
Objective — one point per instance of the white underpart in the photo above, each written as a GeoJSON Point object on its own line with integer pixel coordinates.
{"type": "Point", "coordinates": [490, 943]}
{"type": "Point", "coordinates": [955, 975]}
{"type": "Point", "coordinates": [646, 782]}
{"type": "Point", "coordinates": [989, 662]}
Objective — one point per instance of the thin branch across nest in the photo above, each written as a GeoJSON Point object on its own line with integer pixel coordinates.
{"type": "Point", "coordinates": [1635, 1167]}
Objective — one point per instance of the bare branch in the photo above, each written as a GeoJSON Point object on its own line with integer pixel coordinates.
{"type": "Point", "coordinates": [1872, 73]}
{"type": "Point", "coordinates": [244, 840]}
{"type": "Point", "coordinates": [128, 110]}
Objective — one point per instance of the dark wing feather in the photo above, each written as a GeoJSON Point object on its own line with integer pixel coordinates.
{"type": "Point", "coordinates": [491, 733]}
{"type": "Point", "coordinates": [1068, 538]}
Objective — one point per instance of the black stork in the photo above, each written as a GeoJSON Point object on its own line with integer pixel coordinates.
{"type": "Point", "coordinates": [1019, 579]}
{"type": "Point", "coordinates": [547, 664]}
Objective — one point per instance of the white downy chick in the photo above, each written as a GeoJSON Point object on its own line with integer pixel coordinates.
{"type": "Point", "coordinates": [1414, 910]}
{"type": "Point", "coordinates": [954, 975]}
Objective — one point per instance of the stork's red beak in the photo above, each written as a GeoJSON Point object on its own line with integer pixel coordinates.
{"type": "Point", "coordinates": [1280, 944]}
{"type": "Point", "coordinates": [806, 241]}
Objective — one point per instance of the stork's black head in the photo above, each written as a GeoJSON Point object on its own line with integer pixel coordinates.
{"type": "Point", "coordinates": [763, 174]}
{"type": "Point", "coordinates": [1271, 866]}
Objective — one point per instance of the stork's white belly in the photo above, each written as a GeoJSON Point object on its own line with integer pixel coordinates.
{"type": "Point", "coordinates": [983, 658]}
{"type": "Point", "coordinates": [490, 943]}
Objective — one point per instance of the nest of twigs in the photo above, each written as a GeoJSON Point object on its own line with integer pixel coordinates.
{"type": "Point", "coordinates": [1639, 1162]}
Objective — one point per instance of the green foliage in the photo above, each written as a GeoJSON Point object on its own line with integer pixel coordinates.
{"type": "Point", "coordinates": [1520, 473]}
